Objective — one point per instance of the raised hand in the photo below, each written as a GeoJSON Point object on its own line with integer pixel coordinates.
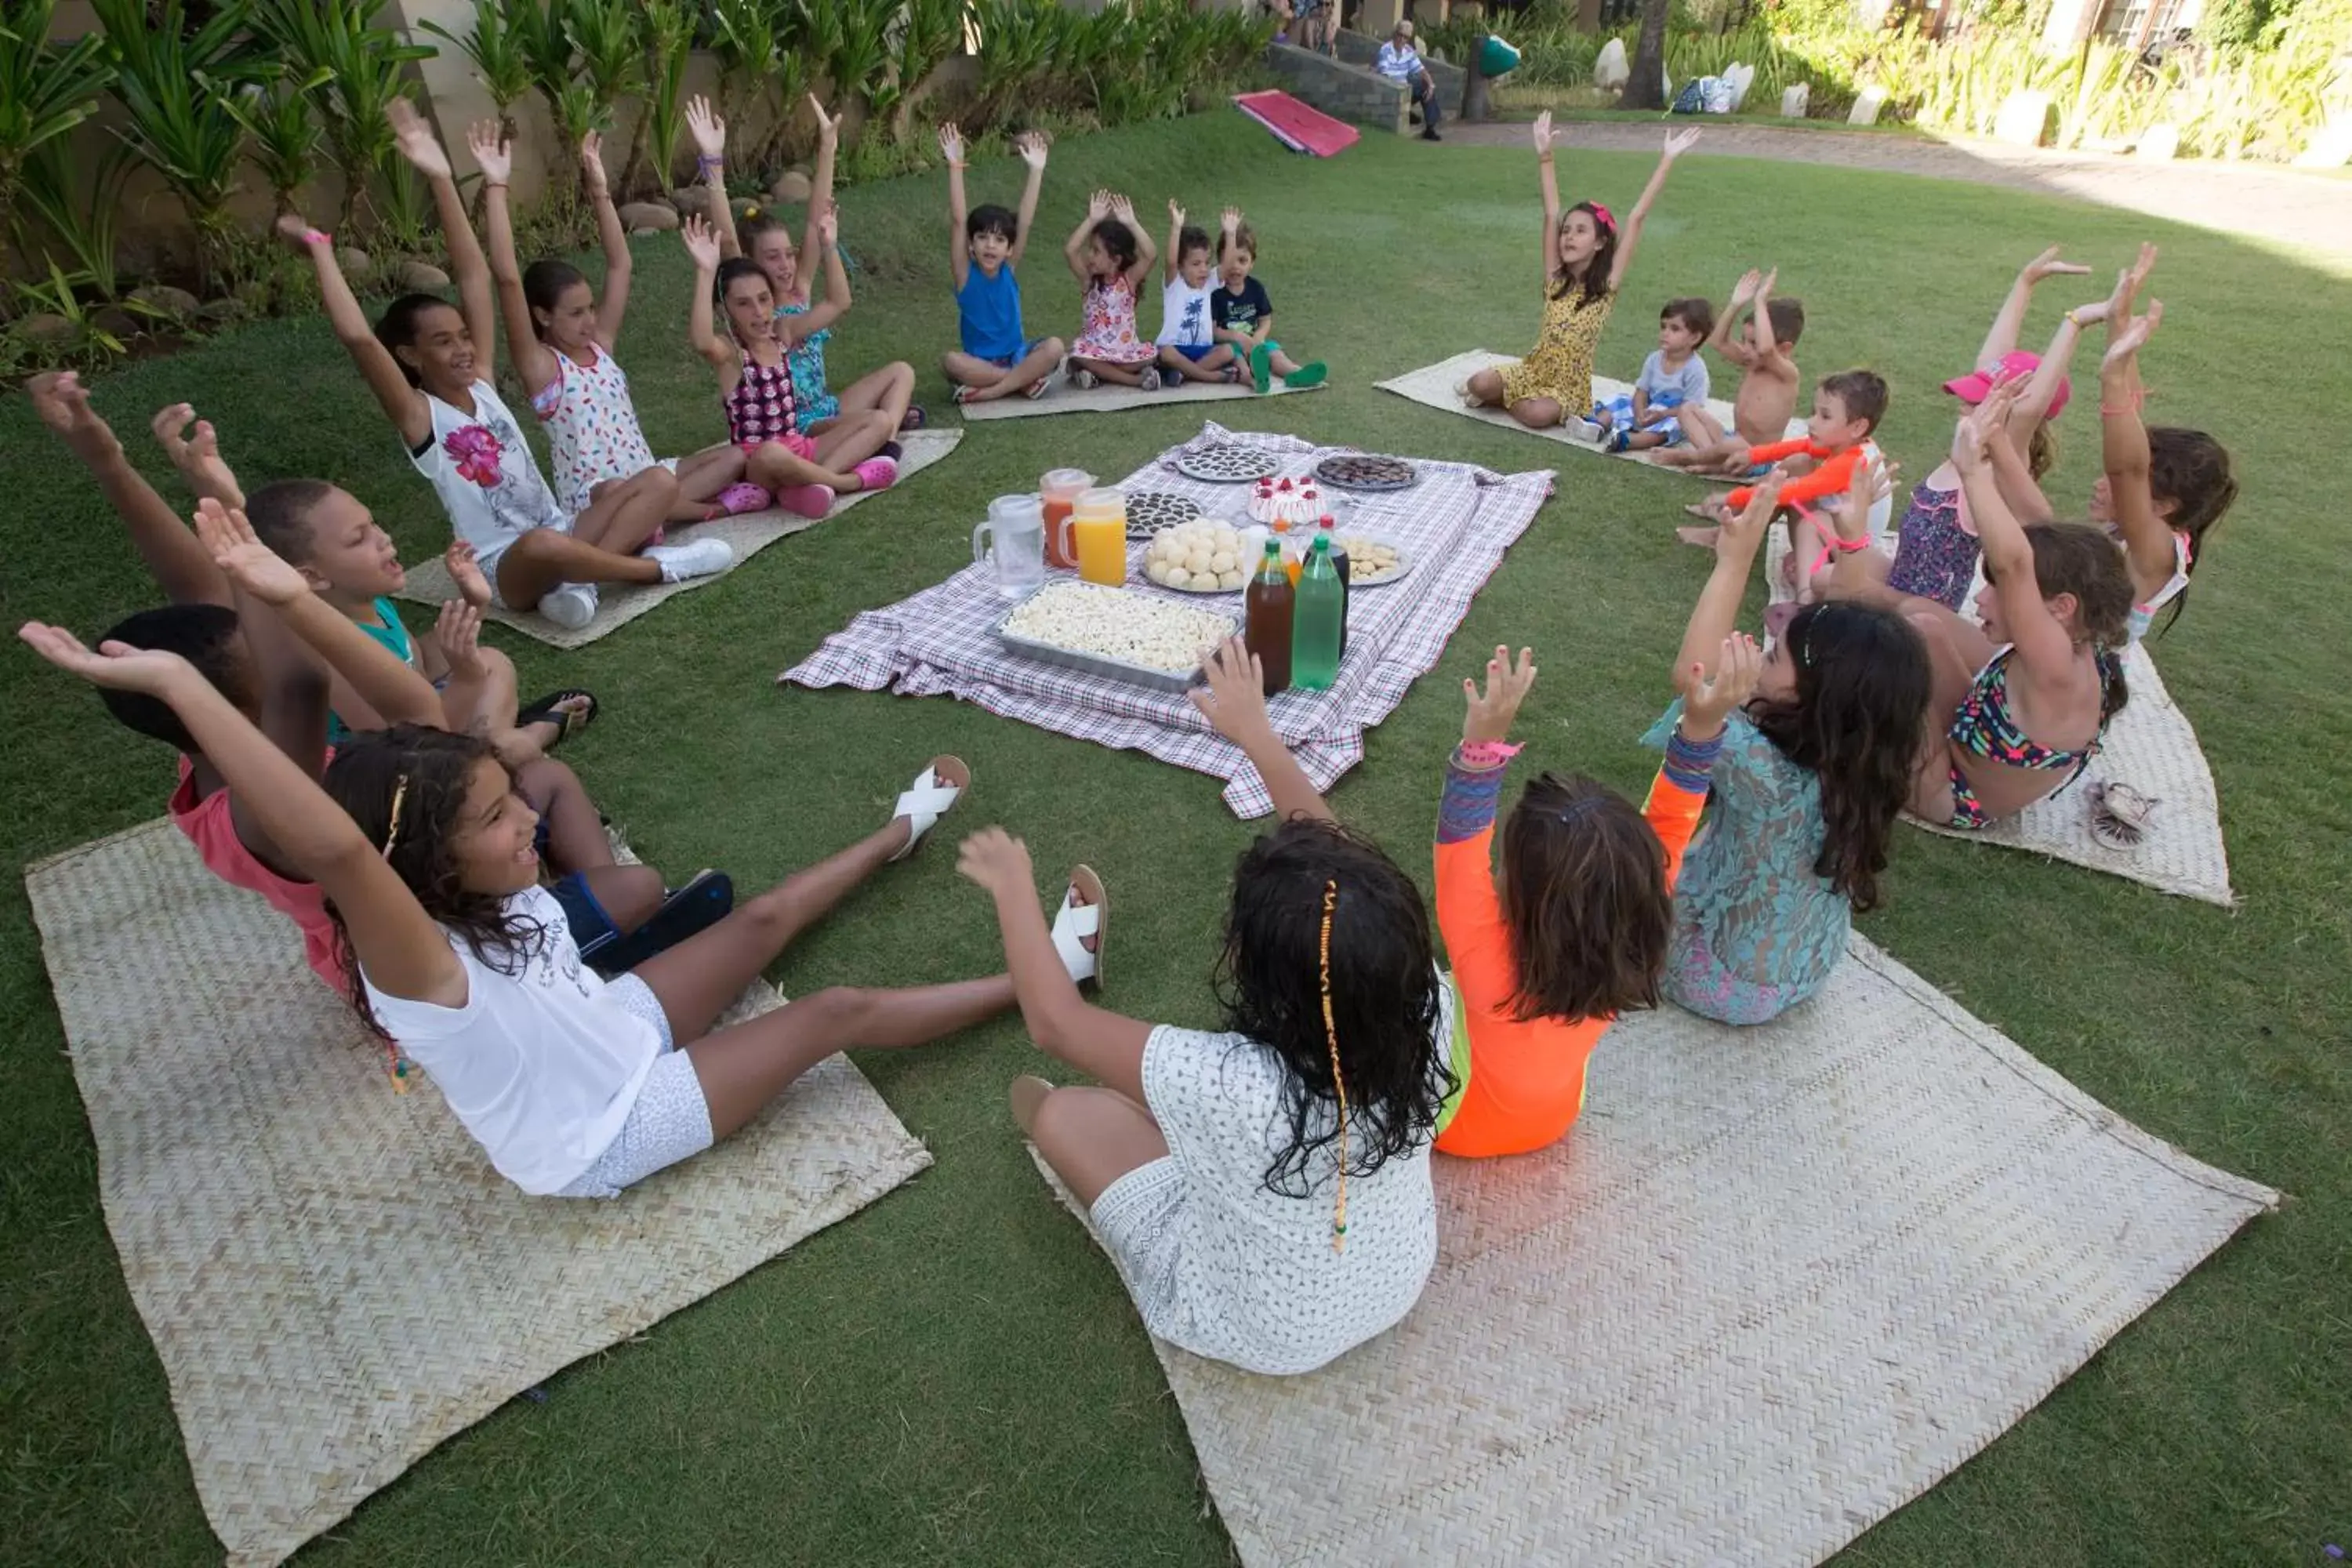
{"type": "Point", "coordinates": [702, 243]}
{"type": "Point", "coordinates": [1850, 513]}
{"type": "Point", "coordinates": [1765, 287]}
{"type": "Point", "coordinates": [1709, 698]}
{"type": "Point", "coordinates": [2083, 315]}
{"type": "Point", "coordinates": [238, 552]}
{"type": "Point", "coordinates": [1123, 210]}
{"type": "Point", "coordinates": [1542, 133]}
{"type": "Point", "coordinates": [63, 403]}
{"type": "Point", "coordinates": [1681, 141]}
{"type": "Point", "coordinates": [486, 141]}
{"type": "Point", "coordinates": [1031, 145]}
{"type": "Point", "coordinates": [952, 143]}
{"type": "Point", "coordinates": [1234, 700]}
{"type": "Point", "coordinates": [710, 131]}
{"type": "Point", "coordinates": [115, 664]}
{"type": "Point", "coordinates": [296, 228]}
{"type": "Point", "coordinates": [997, 861]}
{"type": "Point", "coordinates": [1742, 532]}
{"type": "Point", "coordinates": [592, 162]}
{"type": "Point", "coordinates": [1488, 715]}
{"type": "Point", "coordinates": [466, 572]}
{"type": "Point", "coordinates": [1175, 213]}
{"type": "Point", "coordinates": [2047, 265]}
{"type": "Point", "coordinates": [828, 126]}
{"type": "Point", "coordinates": [416, 140]}
{"type": "Point", "coordinates": [459, 631]}
{"type": "Point", "coordinates": [1972, 439]}
{"type": "Point", "coordinates": [2125, 341]}
{"type": "Point", "coordinates": [1229, 220]}
{"type": "Point", "coordinates": [2128, 287]}
{"type": "Point", "coordinates": [196, 457]}
{"type": "Point", "coordinates": [1097, 206]}
{"type": "Point", "coordinates": [1745, 289]}
{"type": "Point", "coordinates": [828, 225]}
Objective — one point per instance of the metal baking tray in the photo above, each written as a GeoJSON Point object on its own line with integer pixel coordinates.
{"type": "Point", "coordinates": [1097, 664]}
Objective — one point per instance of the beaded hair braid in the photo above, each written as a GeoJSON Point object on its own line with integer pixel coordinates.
{"type": "Point", "coordinates": [397, 1064]}
{"type": "Point", "coordinates": [1331, 1033]}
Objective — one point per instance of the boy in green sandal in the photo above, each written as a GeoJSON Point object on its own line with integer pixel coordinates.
{"type": "Point", "coordinates": [1243, 315]}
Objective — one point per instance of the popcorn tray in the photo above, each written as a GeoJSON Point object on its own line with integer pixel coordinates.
{"type": "Point", "coordinates": [1095, 663]}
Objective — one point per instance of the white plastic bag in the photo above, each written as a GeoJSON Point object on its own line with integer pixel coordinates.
{"type": "Point", "coordinates": [1739, 76]}
{"type": "Point", "coordinates": [1609, 71]}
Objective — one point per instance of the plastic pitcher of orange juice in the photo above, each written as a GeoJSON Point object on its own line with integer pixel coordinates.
{"type": "Point", "coordinates": [1098, 536]}
{"type": "Point", "coordinates": [1058, 490]}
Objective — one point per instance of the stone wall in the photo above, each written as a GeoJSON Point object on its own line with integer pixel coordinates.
{"type": "Point", "coordinates": [1356, 92]}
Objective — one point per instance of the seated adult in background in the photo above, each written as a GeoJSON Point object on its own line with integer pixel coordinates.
{"type": "Point", "coordinates": [1400, 61]}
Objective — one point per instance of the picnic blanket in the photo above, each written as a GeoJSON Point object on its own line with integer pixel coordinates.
{"type": "Point", "coordinates": [1456, 524]}
{"type": "Point", "coordinates": [1432, 386]}
{"type": "Point", "coordinates": [617, 604]}
{"type": "Point", "coordinates": [1061, 398]}
{"type": "Point", "coordinates": [334, 1278]}
{"type": "Point", "coordinates": [2151, 746]}
{"type": "Point", "coordinates": [1777, 1282]}
{"type": "Point", "coordinates": [1296, 125]}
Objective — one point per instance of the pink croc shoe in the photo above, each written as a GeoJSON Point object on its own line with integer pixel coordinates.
{"type": "Point", "coordinates": [739, 498]}
{"type": "Point", "coordinates": [877, 474]}
{"type": "Point", "coordinates": [806, 500]}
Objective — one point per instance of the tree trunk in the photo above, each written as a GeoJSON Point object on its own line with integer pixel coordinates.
{"type": "Point", "coordinates": [1648, 65]}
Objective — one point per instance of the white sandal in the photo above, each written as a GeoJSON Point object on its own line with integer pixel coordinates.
{"type": "Point", "coordinates": [933, 793]}
{"type": "Point", "coordinates": [1074, 922]}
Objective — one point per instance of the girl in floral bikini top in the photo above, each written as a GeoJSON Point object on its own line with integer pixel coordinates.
{"type": "Point", "coordinates": [2023, 700]}
{"type": "Point", "coordinates": [755, 387]}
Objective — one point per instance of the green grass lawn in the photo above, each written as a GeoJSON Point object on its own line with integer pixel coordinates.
{"type": "Point", "coordinates": [954, 1374]}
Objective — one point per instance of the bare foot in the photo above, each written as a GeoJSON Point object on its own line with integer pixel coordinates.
{"type": "Point", "coordinates": [1710, 510]}
{"type": "Point", "coordinates": [1703, 537]}
{"type": "Point", "coordinates": [1027, 1093]}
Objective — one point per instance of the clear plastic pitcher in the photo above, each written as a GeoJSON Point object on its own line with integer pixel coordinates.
{"type": "Point", "coordinates": [1014, 537]}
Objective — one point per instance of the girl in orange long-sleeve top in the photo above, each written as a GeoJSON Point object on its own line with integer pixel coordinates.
{"type": "Point", "coordinates": [1580, 927]}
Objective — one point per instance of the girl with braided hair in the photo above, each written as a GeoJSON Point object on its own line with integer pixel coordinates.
{"type": "Point", "coordinates": [1265, 1187]}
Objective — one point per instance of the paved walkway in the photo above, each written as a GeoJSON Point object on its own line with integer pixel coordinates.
{"type": "Point", "coordinates": [2288, 206]}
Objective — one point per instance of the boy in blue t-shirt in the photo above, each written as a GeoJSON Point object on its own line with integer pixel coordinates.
{"type": "Point", "coordinates": [1673, 377]}
{"type": "Point", "coordinates": [1243, 315]}
{"type": "Point", "coordinates": [997, 359]}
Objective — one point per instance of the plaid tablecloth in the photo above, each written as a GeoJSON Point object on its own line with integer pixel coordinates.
{"type": "Point", "coordinates": [1454, 526]}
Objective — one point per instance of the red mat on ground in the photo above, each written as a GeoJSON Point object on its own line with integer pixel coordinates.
{"type": "Point", "coordinates": [1297, 126]}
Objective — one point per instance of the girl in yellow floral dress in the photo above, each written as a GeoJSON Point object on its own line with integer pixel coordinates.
{"type": "Point", "coordinates": [1585, 255]}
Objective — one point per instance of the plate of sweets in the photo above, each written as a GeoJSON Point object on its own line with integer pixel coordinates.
{"type": "Point", "coordinates": [1362, 471]}
{"type": "Point", "coordinates": [1371, 563]}
{"type": "Point", "coordinates": [1150, 511]}
{"type": "Point", "coordinates": [1226, 462]}
{"type": "Point", "coordinates": [1201, 557]}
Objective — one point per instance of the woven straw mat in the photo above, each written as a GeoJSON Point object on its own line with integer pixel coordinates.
{"type": "Point", "coordinates": [1432, 386]}
{"type": "Point", "coordinates": [1776, 1283]}
{"type": "Point", "coordinates": [334, 1278]}
{"type": "Point", "coordinates": [617, 604]}
{"type": "Point", "coordinates": [1061, 398]}
{"type": "Point", "coordinates": [2150, 746]}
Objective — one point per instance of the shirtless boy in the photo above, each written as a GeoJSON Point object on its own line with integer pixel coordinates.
{"type": "Point", "coordinates": [1768, 387]}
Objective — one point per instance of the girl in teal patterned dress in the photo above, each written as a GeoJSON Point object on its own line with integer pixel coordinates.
{"type": "Point", "coordinates": [1803, 795]}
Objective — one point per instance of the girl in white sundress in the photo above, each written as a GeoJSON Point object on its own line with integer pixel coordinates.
{"type": "Point", "coordinates": [427, 361]}
{"type": "Point", "coordinates": [1265, 1187]}
{"type": "Point", "coordinates": [562, 341]}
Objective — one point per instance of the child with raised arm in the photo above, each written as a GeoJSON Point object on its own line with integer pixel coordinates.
{"type": "Point", "coordinates": [1581, 922]}
{"type": "Point", "coordinates": [755, 387]}
{"type": "Point", "coordinates": [573, 1086]}
{"type": "Point", "coordinates": [764, 238]}
{"type": "Point", "coordinates": [1760, 346]}
{"type": "Point", "coordinates": [1110, 256]}
{"type": "Point", "coordinates": [997, 358]}
{"type": "Point", "coordinates": [1804, 789]}
{"type": "Point", "coordinates": [1585, 257]}
{"type": "Point", "coordinates": [2021, 702]}
{"type": "Point", "coordinates": [1188, 345]}
{"type": "Point", "coordinates": [1673, 377]}
{"type": "Point", "coordinates": [1264, 1188]}
{"type": "Point", "coordinates": [327, 535]}
{"type": "Point", "coordinates": [560, 340]}
{"type": "Point", "coordinates": [1244, 316]}
{"type": "Point", "coordinates": [426, 362]}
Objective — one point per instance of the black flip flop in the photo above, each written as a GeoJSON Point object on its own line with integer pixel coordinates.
{"type": "Point", "coordinates": [567, 724]}
{"type": "Point", "coordinates": [702, 903]}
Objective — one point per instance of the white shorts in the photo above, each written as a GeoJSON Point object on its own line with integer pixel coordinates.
{"type": "Point", "coordinates": [670, 1120]}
